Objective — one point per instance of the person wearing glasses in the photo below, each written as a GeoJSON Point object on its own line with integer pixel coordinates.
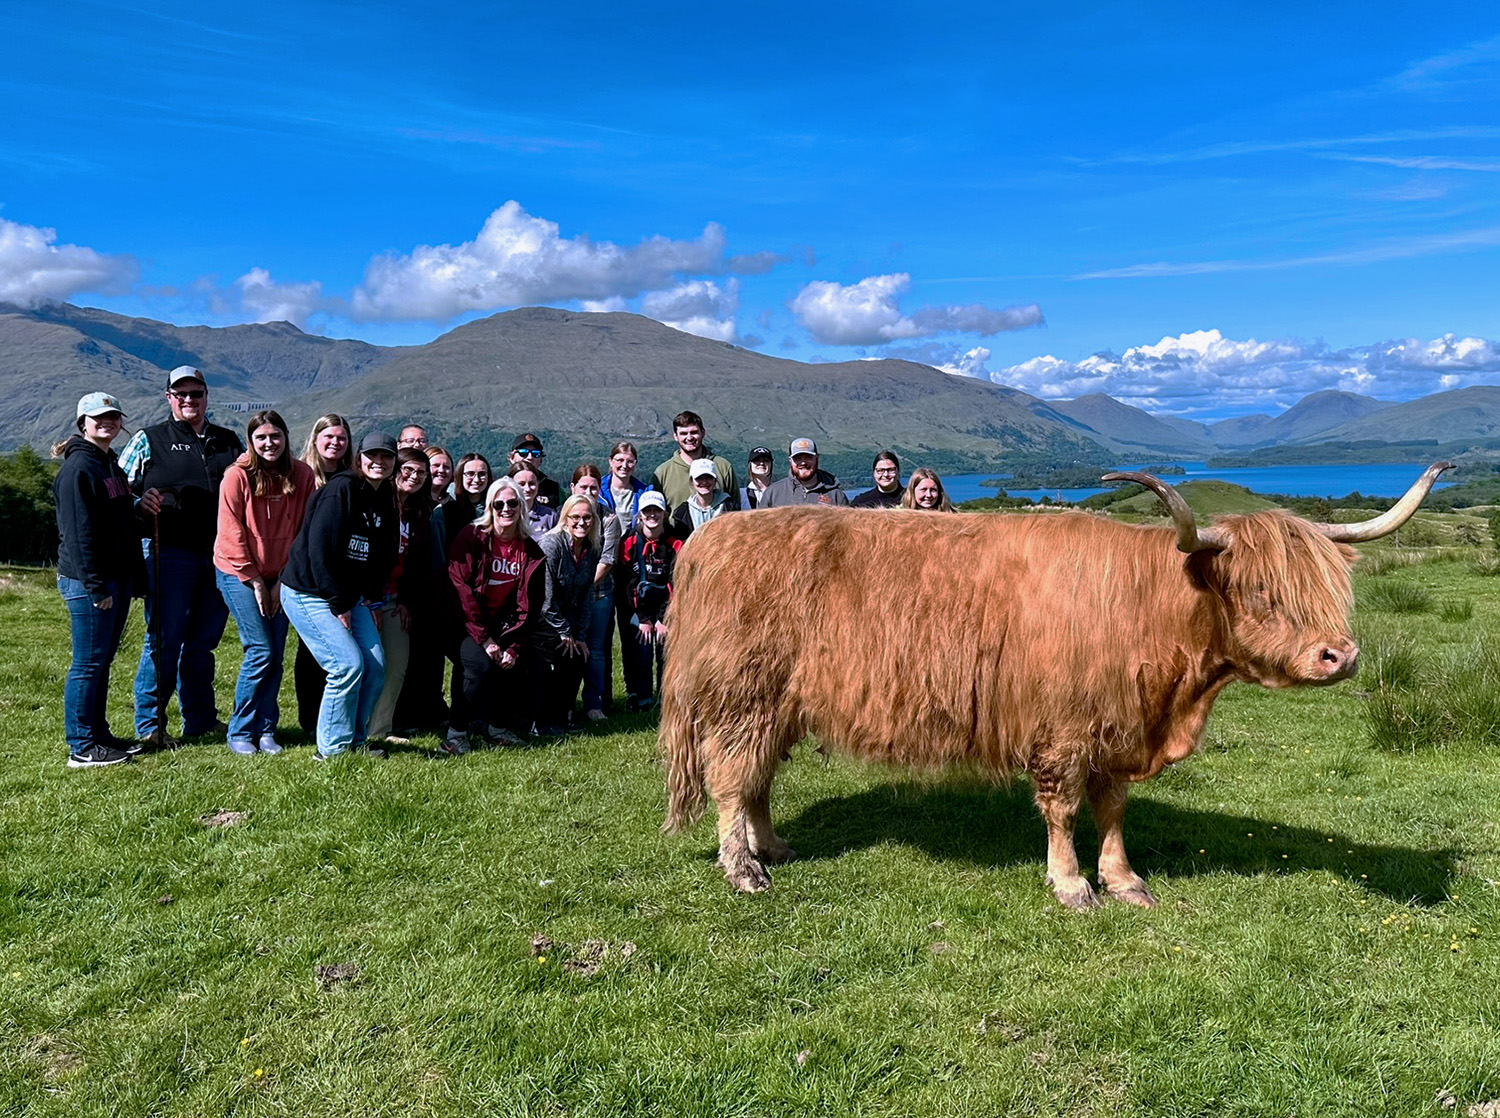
{"type": "Point", "coordinates": [496, 568]}
{"type": "Point", "coordinates": [528, 452]}
{"type": "Point", "coordinates": [572, 552]}
{"type": "Point", "coordinates": [411, 589]}
{"type": "Point", "coordinates": [888, 488]}
{"type": "Point", "coordinates": [175, 468]}
{"type": "Point", "coordinates": [98, 564]}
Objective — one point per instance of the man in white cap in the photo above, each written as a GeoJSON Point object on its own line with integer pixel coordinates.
{"type": "Point", "coordinates": [175, 468]}
{"type": "Point", "coordinates": [806, 484]}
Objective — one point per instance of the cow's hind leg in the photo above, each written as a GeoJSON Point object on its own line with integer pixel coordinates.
{"type": "Point", "coordinates": [739, 779]}
{"type": "Point", "coordinates": [1059, 783]}
{"type": "Point", "coordinates": [1107, 798]}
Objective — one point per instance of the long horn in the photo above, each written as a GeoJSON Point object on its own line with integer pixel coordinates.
{"type": "Point", "coordinates": [1189, 537]}
{"type": "Point", "coordinates": [1388, 521]}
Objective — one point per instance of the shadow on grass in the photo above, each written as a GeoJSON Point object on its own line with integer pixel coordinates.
{"type": "Point", "coordinates": [1000, 827]}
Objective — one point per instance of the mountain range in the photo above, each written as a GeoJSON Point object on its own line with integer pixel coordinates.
{"type": "Point", "coordinates": [583, 381]}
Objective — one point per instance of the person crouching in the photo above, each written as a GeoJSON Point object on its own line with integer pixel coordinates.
{"type": "Point", "coordinates": [496, 570]}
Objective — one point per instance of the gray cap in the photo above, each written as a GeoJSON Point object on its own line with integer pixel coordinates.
{"type": "Point", "coordinates": [185, 372]}
{"type": "Point", "coordinates": [377, 440]}
{"type": "Point", "coordinates": [98, 403]}
{"type": "Point", "coordinates": [802, 446]}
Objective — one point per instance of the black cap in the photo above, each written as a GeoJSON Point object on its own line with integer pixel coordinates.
{"type": "Point", "coordinates": [760, 452]}
{"type": "Point", "coordinates": [377, 440]}
{"type": "Point", "coordinates": [527, 441]}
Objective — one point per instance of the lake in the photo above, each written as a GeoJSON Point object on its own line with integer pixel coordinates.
{"type": "Point", "coordinates": [1389, 480]}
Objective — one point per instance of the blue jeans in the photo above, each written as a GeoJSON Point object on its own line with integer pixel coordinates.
{"type": "Point", "coordinates": [189, 611]}
{"type": "Point", "coordinates": [257, 706]}
{"type": "Point", "coordinates": [96, 638]}
{"type": "Point", "coordinates": [353, 659]}
{"type": "Point", "coordinates": [597, 683]}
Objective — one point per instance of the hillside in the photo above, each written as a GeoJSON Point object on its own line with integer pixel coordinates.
{"type": "Point", "coordinates": [583, 380]}
{"type": "Point", "coordinates": [1464, 413]}
{"type": "Point", "coordinates": [1130, 430]}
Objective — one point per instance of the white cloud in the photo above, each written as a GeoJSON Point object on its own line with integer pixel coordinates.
{"type": "Point", "coordinates": [869, 312]}
{"type": "Point", "coordinates": [699, 307]}
{"type": "Point", "coordinates": [518, 259]}
{"type": "Point", "coordinates": [270, 301]}
{"type": "Point", "coordinates": [34, 270]}
{"type": "Point", "coordinates": [970, 364]}
{"type": "Point", "coordinates": [605, 306]}
{"type": "Point", "coordinates": [1203, 370]}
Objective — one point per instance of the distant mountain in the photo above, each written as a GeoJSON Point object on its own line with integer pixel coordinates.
{"type": "Point", "coordinates": [582, 381]}
{"type": "Point", "coordinates": [1463, 413]}
{"type": "Point", "coordinates": [51, 356]}
{"type": "Point", "coordinates": [1129, 430]}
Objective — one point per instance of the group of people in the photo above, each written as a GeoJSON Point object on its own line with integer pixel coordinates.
{"type": "Point", "coordinates": [390, 560]}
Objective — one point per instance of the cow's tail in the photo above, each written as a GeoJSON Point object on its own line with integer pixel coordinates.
{"type": "Point", "coordinates": [679, 741]}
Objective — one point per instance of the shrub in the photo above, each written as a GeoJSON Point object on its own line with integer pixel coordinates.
{"type": "Point", "coordinates": [1456, 609]}
{"type": "Point", "coordinates": [1495, 527]}
{"type": "Point", "coordinates": [1486, 565]}
{"type": "Point", "coordinates": [1398, 597]}
{"type": "Point", "coordinates": [1419, 533]}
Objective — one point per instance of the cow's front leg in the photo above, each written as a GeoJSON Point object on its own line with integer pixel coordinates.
{"type": "Point", "coordinates": [1107, 798]}
{"type": "Point", "coordinates": [1059, 794]}
{"type": "Point", "coordinates": [737, 783]}
{"type": "Point", "coordinates": [765, 843]}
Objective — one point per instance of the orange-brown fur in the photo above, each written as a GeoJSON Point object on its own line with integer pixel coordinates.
{"type": "Point", "coordinates": [1086, 651]}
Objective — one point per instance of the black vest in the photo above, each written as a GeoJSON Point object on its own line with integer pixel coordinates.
{"type": "Point", "coordinates": [187, 468]}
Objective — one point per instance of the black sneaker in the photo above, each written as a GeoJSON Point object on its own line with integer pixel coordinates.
{"type": "Point", "coordinates": [96, 756]}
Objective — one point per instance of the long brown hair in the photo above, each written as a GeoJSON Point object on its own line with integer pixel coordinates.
{"type": "Point", "coordinates": [310, 453]}
{"type": "Point", "coordinates": [418, 505]}
{"type": "Point", "coordinates": [268, 480]}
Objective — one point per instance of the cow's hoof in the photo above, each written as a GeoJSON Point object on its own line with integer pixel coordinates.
{"type": "Point", "coordinates": [1079, 897]}
{"type": "Point", "coordinates": [777, 855]}
{"type": "Point", "coordinates": [1139, 896]}
{"type": "Point", "coordinates": [748, 876]}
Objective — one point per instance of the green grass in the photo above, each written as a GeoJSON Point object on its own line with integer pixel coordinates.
{"type": "Point", "coordinates": [1326, 942]}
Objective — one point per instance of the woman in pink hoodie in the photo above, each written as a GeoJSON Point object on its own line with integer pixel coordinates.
{"type": "Point", "coordinates": [261, 502]}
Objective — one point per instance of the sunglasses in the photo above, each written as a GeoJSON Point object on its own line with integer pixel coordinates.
{"type": "Point", "coordinates": [190, 394]}
{"type": "Point", "coordinates": [528, 452]}
{"type": "Point", "coordinates": [505, 506]}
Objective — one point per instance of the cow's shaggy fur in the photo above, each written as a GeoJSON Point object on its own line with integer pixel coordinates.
{"type": "Point", "coordinates": [1082, 650]}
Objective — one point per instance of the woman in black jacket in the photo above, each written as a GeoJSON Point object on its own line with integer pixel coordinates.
{"type": "Point", "coordinates": [98, 564]}
{"type": "Point", "coordinates": [337, 569]}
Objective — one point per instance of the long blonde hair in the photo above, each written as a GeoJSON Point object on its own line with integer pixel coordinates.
{"type": "Point", "coordinates": [909, 498]}
{"type": "Point", "coordinates": [310, 453]}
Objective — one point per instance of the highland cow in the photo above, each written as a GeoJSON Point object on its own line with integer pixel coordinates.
{"type": "Point", "coordinates": [1082, 650]}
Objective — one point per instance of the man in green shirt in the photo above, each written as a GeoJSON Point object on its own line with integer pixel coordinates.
{"type": "Point", "coordinates": [671, 476]}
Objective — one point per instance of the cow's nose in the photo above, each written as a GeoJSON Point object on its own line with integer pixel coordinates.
{"type": "Point", "coordinates": [1339, 662]}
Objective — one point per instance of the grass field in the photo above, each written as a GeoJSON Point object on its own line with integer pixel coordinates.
{"type": "Point", "coordinates": [521, 940]}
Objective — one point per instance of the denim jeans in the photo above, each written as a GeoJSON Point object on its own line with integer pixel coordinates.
{"type": "Point", "coordinates": [597, 681]}
{"type": "Point", "coordinates": [190, 613]}
{"type": "Point", "coordinates": [395, 642]}
{"type": "Point", "coordinates": [353, 659]}
{"type": "Point", "coordinates": [96, 637]}
{"type": "Point", "coordinates": [257, 707]}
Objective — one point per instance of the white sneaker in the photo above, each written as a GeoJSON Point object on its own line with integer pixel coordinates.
{"type": "Point", "coordinates": [596, 716]}
{"type": "Point", "coordinates": [268, 744]}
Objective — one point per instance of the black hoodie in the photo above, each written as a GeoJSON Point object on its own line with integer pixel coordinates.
{"type": "Point", "coordinates": [347, 545]}
{"type": "Point", "coordinates": [98, 539]}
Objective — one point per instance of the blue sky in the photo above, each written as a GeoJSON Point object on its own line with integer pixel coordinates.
{"type": "Point", "coordinates": [1202, 209]}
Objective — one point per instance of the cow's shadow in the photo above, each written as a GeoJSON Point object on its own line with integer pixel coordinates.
{"type": "Point", "coordinates": [987, 826]}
